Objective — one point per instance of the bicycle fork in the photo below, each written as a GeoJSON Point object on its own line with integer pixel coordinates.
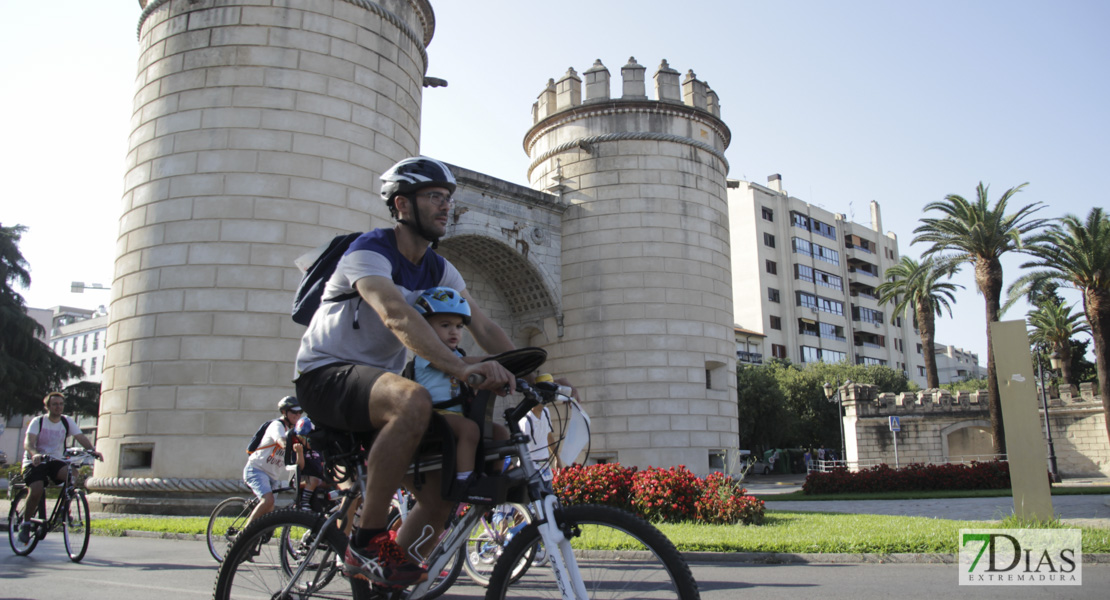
{"type": "Point", "coordinates": [559, 551]}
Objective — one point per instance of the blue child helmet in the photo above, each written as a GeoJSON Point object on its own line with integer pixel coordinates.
{"type": "Point", "coordinates": [443, 301]}
{"type": "Point", "coordinates": [303, 427]}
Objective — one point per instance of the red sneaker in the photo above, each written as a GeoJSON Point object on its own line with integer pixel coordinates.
{"type": "Point", "coordinates": [382, 562]}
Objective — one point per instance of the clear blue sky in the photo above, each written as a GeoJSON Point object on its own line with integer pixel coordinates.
{"type": "Point", "coordinates": [851, 101]}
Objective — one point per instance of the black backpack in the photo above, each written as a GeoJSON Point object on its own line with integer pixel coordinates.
{"type": "Point", "coordinates": [310, 292]}
{"type": "Point", "coordinates": [258, 435]}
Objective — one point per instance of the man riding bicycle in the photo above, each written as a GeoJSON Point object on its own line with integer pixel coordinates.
{"type": "Point", "coordinates": [43, 448]}
{"type": "Point", "coordinates": [266, 468]}
{"type": "Point", "coordinates": [350, 359]}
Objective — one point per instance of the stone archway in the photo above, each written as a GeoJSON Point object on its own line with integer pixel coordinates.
{"type": "Point", "coordinates": [507, 285]}
{"type": "Point", "coordinates": [967, 440]}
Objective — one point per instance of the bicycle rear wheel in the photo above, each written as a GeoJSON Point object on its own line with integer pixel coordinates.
{"type": "Point", "coordinates": [16, 517]}
{"type": "Point", "coordinates": [227, 520]}
{"type": "Point", "coordinates": [489, 537]}
{"type": "Point", "coordinates": [619, 555]}
{"type": "Point", "coordinates": [77, 527]}
{"type": "Point", "coordinates": [255, 568]}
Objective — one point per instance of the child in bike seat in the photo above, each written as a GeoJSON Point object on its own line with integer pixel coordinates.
{"type": "Point", "coordinates": [447, 312]}
{"type": "Point", "coordinates": [308, 461]}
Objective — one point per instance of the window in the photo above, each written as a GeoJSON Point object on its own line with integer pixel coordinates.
{"type": "Point", "coordinates": [778, 351]}
{"type": "Point", "coordinates": [92, 369]}
{"type": "Point", "coordinates": [75, 344]}
{"type": "Point", "coordinates": [829, 280]}
{"type": "Point", "coordinates": [772, 267]}
{"type": "Point", "coordinates": [867, 360]}
{"type": "Point", "coordinates": [821, 303]}
{"type": "Point", "coordinates": [921, 371]}
{"type": "Point", "coordinates": [768, 240]}
{"type": "Point", "coordinates": [826, 254]}
{"type": "Point", "coordinates": [808, 327]}
{"type": "Point", "coordinates": [803, 272]}
{"type": "Point", "coordinates": [799, 220]}
{"type": "Point", "coordinates": [810, 354]}
{"type": "Point", "coordinates": [801, 246]}
{"type": "Point", "coordinates": [919, 348]}
{"type": "Point", "coordinates": [96, 340]}
{"type": "Point", "coordinates": [768, 214]}
{"type": "Point", "coordinates": [867, 315]}
{"type": "Point", "coordinates": [824, 229]}
{"type": "Point", "coordinates": [832, 356]}
{"type": "Point", "coordinates": [82, 365]}
{"type": "Point", "coordinates": [772, 294]}
{"type": "Point", "coordinates": [832, 332]}
{"type": "Point", "coordinates": [776, 322]}
{"type": "Point", "coordinates": [64, 347]}
{"type": "Point", "coordinates": [85, 343]}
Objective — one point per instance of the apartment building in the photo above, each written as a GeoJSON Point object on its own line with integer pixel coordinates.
{"type": "Point", "coordinates": [806, 278]}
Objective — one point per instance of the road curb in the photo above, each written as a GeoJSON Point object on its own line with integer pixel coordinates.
{"type": "Point", "coordinates": [786, 558]}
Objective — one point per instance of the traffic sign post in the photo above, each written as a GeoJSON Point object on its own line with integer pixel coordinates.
{"type": "Point", "coordinates": [895, 427]}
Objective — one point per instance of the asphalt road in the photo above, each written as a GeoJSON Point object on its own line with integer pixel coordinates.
{"type": "Point", "coordinates": [138, 568]}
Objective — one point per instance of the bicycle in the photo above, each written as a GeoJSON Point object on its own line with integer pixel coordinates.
{"type": "Point", "coordinates": [71, 513]}
{"type": "Point", "coordinates": [229, 518]}
{"type": "Point", "coordinates": [590, 549]}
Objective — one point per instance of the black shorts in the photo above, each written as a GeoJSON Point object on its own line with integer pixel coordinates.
{"type": "Point", "coordinates": [338, 395]}
{"type": "Point", "coordinates": [46, 472]}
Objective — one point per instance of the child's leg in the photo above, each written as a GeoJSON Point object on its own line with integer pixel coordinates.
{"type": "Point", "coordinates": [466, 434]}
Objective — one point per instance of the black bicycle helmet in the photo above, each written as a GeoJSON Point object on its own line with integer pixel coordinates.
{"type": "Point", "coordinates": [411, 175]}
{"type": "Point", "coordinates": [288, 403]}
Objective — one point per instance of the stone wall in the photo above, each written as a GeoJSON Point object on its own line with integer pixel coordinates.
{"type": "Point", "coordinates": [937, 426]}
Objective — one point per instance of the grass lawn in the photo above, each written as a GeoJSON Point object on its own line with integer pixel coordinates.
{"type": "Point", "coordinates": [781, 531]}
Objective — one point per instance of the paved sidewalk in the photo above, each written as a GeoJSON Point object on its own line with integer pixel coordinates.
{"type": "Point", "coordinates": [1086, 510]}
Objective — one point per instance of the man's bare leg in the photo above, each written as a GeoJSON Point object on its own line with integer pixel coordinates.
{"type": "Point", "coordinates": [400, 410]}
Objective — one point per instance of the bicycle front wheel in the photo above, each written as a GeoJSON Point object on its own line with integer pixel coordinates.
{"type": "Point", "coordinates": [619, 555]}
{"type": "Point", "coordinates": [226, 522]}
{"type": "Point", "coordinates": [17, 515]}
{"type": "Point", "coordinates": [258, 563]}
{"type": "Point", "coordinates": [489, 537]}
{"type": "Point", "coordinates": [77, 527]}
{"type": "Point", "coordinates": [296, 542]}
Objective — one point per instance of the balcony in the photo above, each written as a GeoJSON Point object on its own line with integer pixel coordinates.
{"type": "Point", "coordinates": [751, 358]}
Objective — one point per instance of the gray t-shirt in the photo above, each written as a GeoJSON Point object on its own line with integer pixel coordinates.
{"type": "Point", "coordinates": [331, 336]}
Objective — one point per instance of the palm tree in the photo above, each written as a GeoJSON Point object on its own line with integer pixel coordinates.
{"type": "Point", "coordinates": [1076, 254]}
{"type": "Point", "coordinates": [1054, 324]}
{"type": "Point", "coordinates": [977, 233]}
{"type": "Point", "coordinates": [916, 291]}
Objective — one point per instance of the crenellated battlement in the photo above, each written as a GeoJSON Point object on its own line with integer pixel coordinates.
{"type": "Point", "coordinates": [939, 426]}
{"type": "Point", "coordinates": [865, 401]}
{"type": "Point", "coordinates": [670, 87]}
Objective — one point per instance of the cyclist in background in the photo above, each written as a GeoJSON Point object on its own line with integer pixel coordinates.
{"type": "Point", "coordinates": [43, 447]}
{"type": "Point", "coordinates": [266, 468]}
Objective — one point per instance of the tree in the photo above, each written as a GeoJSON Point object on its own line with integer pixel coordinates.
{"type": "Point", "coordinates": [977, 233]}
{"type": "Point", "coordinates": [1054, 324]}
{"type": "Point", "coordinates": [915, 290]}
{"type": "Point", "coordinates": [810, 420]}
{"type": "Point", "coordinates": [761, 409]}
{"type": "Point", "coordinates": [28, 368]}
{"type": "Point", "coordinates": [1076, 254]}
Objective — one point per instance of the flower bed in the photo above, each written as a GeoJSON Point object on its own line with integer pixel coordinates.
{"type": "Point", "coordinates": [911, 478]}
{"type": "Point", "coordinates": [660, 495]}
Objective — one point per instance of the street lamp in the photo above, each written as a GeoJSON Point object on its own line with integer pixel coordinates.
{"type": "Point", "coordinates": [1056, 362]}
{"type": "Point", "coordinates": [832, 394]}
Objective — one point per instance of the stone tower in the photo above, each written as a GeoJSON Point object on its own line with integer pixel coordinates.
{"type": "Point", "coordinates": [646, 283]}
{"type": "Point", "coordinates": [259, 131]}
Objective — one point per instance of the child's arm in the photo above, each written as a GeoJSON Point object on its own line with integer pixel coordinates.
{"type": "Point", "coordinates": [299, 449]}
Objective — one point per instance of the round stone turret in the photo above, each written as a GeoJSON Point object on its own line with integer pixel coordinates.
{"type": "Point", "coordinates": [259, 132]}
{"type": "Point", "coordinates": [646, 283]}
